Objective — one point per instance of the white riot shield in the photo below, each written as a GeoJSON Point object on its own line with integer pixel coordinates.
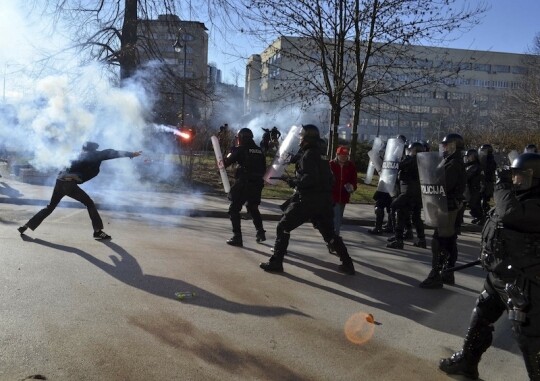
{"type": "Point", "coordinates": [286, 151]}
{"type": "Point", "coordinates": [390, 165]}
{"type": "Point", "coordinates": [369, 173]}
{"type": "Point", "coordinates": [512, 155]}
{"type": "Point", "coordinates": [374, 154]}
{"type": "Point", "coordinates": [433, 187]}
{"type": "Point", "coordinates": [220, 164]}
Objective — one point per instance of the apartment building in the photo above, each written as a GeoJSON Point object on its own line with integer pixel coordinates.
{"type": "Point", "coordinates": [460, 88]}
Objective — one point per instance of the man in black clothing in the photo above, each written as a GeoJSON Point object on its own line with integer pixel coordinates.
{"type": "Point", "coordinates": [251, 166]}
{"type": "Point", "coordinates": [312, 201]}
{"type": "Point", "coordinates": [489, 166]}
{"type": "Point", "coordinates": [444, 242]}
{"type": "Point", "coordinates": [408, 204]}
{"type": "Point", "coordinates": [510, 253]}
{"type": "Point", "coordinates": [84, 168]}
{"type": "Point", "coordinates": [475, 180]}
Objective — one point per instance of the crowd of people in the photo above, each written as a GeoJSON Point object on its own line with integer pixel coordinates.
{"type": "Point", "coordinates": [442, 184]}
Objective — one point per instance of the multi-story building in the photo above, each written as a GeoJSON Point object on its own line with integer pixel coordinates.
{"type": "Point", "coordinates": [461, 88]}
{"type": "Point", "coordinates": [182, 73]}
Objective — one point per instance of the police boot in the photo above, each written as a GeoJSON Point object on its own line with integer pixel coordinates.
{"type": "Point", "coordinates": [235, 240]}
{"type": "Point", "coordinates": [421, 242]}
{"type": "Point", "coordinates": [261, 236]}
{"type": "Point", "coordinates": [391, 224]}
{"type": "Point", "coordinates": [477, 341]}
{"type": "Point", "coordinates": [275, 263]}
{"type": "Point", "coordinates": [397, 243]}
{"type": "Point", "coordinates": [346, 265]}
{"type": "Point", "coordinates": [450, 246]}
{"type": "Point", "coordinates": [379, 217]}
{"type": "Point", "coordinates": [434, 279]}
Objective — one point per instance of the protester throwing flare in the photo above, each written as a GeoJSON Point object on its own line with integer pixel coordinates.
{"type": "Point", "coordinates": [84, 168]}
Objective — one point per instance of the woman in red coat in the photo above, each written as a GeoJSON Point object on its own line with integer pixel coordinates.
{"type": "Point", "coordinates": [344, 172]}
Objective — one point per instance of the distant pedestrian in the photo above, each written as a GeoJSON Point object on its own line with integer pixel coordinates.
{"type": "Point", "coordinates": [345, 183]}
{"type": "Point", "coordinates": [84, 168]}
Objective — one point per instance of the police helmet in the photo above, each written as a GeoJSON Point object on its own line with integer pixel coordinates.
{"type": "Point", "coordinates": [530, 148]}
{"type": "Point", "coordinates": [526, 171]}
{"type": "Point", "coordinates": [454, 138]}
{"type": "Point", "coordinates": [244, 135]}
{"type": "Point", "coordinates": [402, 138]}
{"type": "Point", "coordinates": [90, 146]}
{"type": "Point", "coordinates": [415, 147]}
{"type": "Point", "coordinates": [309, 134]}
{"type": "Point", "coordinates": [486, 147]}
{"type": "Point", "coordinates": [472, 155]}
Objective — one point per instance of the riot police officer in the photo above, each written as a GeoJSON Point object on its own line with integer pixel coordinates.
{"type": "Point", "coordinates": [511, 255]}
{"type": "Point", "coordinates": [408, 204]}
{"type": "Point", "coordinates": [251, 166]}
{"type": "Point", "coordinates": [489, 166]}
{"type": "Point", "coordinates": [444, 241]}
{"type": "Point", "coordinates": [312, 201]}
{"type": "Point", "coordinates": [475, 180]}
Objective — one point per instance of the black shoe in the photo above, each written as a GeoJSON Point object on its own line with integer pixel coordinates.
{"type": "Point", "coordinates": [397, 244]}
{"type": "Point", "coordinates": [391, 239]}
{"type": "Point", "coordinates": [375, 231]}
{"type": "Point", "coordinates": [409, 234]}
{"type": "Point", "coordinates": [433, 281]}
{"type": "Point", "coordinates": [272, 266]}
{"type": "Point", "coordinates": [448, 277]}
{"type": "Point", "coordinates": [421, 243]}
{"type": "Point", "coordinates": [347, 267]}
{"type": "Point", "coordinates": [235, 241]}
{"type": "Point", "coordinates": [22, 229]}
{"type": "Point", "coordinates": [459, 365]}
{"type": "Point", "coordinates": [101, 235]}
{"type": "Point", "coordinates": [388, 229]}
{"type": "Point", "coordinates": [260, 237]}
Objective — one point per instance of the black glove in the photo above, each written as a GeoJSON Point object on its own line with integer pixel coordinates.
{"type": "Point", "coordinates": [291, 182]}
{"type": "Point", "coordinates": [504, 176]}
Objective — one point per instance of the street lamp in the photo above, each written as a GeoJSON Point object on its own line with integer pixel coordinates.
{"type": "Point", "coordinates": [179, 47]}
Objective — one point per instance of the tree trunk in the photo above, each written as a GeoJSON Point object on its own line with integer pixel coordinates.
{"type": "Point", "coordinates": [128, 50]}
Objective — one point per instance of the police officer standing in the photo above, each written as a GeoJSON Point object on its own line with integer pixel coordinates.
{"type": "Point", "coordinates": [475, 180]}
{"type": "Point", "coordinates": [409, 202]}
{"type": "Point", "coordinates": [511, 255]}
{"type": "Point", "coordinates": [489, 166]}
{"type": "Point", "coordinates": [312, 201]}
{"type": "Point", "coordinates": [444, 241]}
{"type": "Point", "coordinates": [248, 185]}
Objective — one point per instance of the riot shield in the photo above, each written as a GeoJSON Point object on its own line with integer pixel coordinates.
{"type": "Point", "coordinates": [512, 155]}
{"type": "Point", "coordinates": [287, 150]}
{"type": "Point", "coordinates": [433, 187]}
{"type": "Point", "coordinates": [375, 160]}
{"type": "Point", "coordinates": [220, 164]}
{"type": "Point", "coordinates": [390, 165]}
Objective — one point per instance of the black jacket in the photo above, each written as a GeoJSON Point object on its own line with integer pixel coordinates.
{"type": "Point", "coordinates": [250, 160]}
{"type": "Point", "coordinates": [86, 166]}
{"type": "Point", "coordinates": [454, 173]}
{"type": "Point", "coordinates": [313, 174]}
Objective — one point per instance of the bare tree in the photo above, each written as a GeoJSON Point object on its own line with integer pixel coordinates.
{"type": "Point", "coordinates": [350, 50]}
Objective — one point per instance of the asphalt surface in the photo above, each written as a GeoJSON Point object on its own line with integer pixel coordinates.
{"type": "Point", "coordinates": [78, 309]}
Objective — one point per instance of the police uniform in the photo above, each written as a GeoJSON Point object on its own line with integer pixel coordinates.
{"type": "Point", "coordinates": [511, 255]}
{"type": "Point", "coordinates": [312, 201]}
{"type": "Point", "coordinates": [489, 166]}
{"type": "Point", "coordinates": [247, 188]}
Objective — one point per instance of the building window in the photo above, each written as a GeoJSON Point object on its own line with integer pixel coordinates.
{"type": "Point", "coordinates": [482, 67]}
{"type": "Point", "coordinates": [519, 70]}
{"type": "Point", "coordinates": [500, 69]}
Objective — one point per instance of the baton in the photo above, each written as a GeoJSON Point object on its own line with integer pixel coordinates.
{"type": "Point", "coordinates": [461, 267]}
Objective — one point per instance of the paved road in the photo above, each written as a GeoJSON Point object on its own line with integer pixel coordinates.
{"type": "Point", "coordinates": [77, 309]}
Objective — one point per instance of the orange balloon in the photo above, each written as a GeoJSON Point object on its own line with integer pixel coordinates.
{"type": "Point", "coordinates": [359, 328]}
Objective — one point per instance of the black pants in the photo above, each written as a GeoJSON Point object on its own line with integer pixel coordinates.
{"type": "Point", "coordinates": [249, 194]}
{"type": "Point", "coordinates": [408, 208]}
{"type": "Point", "coordinates": [70, 189]}
{"type": "Point", "coordinates": [489, 308]}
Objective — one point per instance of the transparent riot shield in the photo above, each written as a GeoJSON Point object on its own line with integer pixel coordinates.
{"type": "Point", "coordinates": [512, 155]}
{"type": "Point", "coordinates": [287, 150]}
{"type": "Point", "coordinates": [375, 160]}
{"type": "Point", "coordinates": [433, 187]}
{"type": "Point", "coordinates": [390, 165]}
{"type": "Point", "coordinates": [220, 164]}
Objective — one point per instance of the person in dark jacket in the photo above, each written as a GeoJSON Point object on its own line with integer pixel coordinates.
{"type": "Point", "coordinates": [250, 168]}
{"type": "Point", "coordinates": [510, 253]}
{"type": "Point", "coordinates": [444, 242]}
{"type": "Point", "coordinates": [312, 201]}
{"type": "Point", "coordinates": [408, 204]}
{"type": "Point", "coordinates": [475, 180]}
{"type": "Point", "coordinates": [84, 168]}
{"type": "Point", "coordinates": [345, 183]}
{"type": "Point", "coordinates": [489, 166]}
